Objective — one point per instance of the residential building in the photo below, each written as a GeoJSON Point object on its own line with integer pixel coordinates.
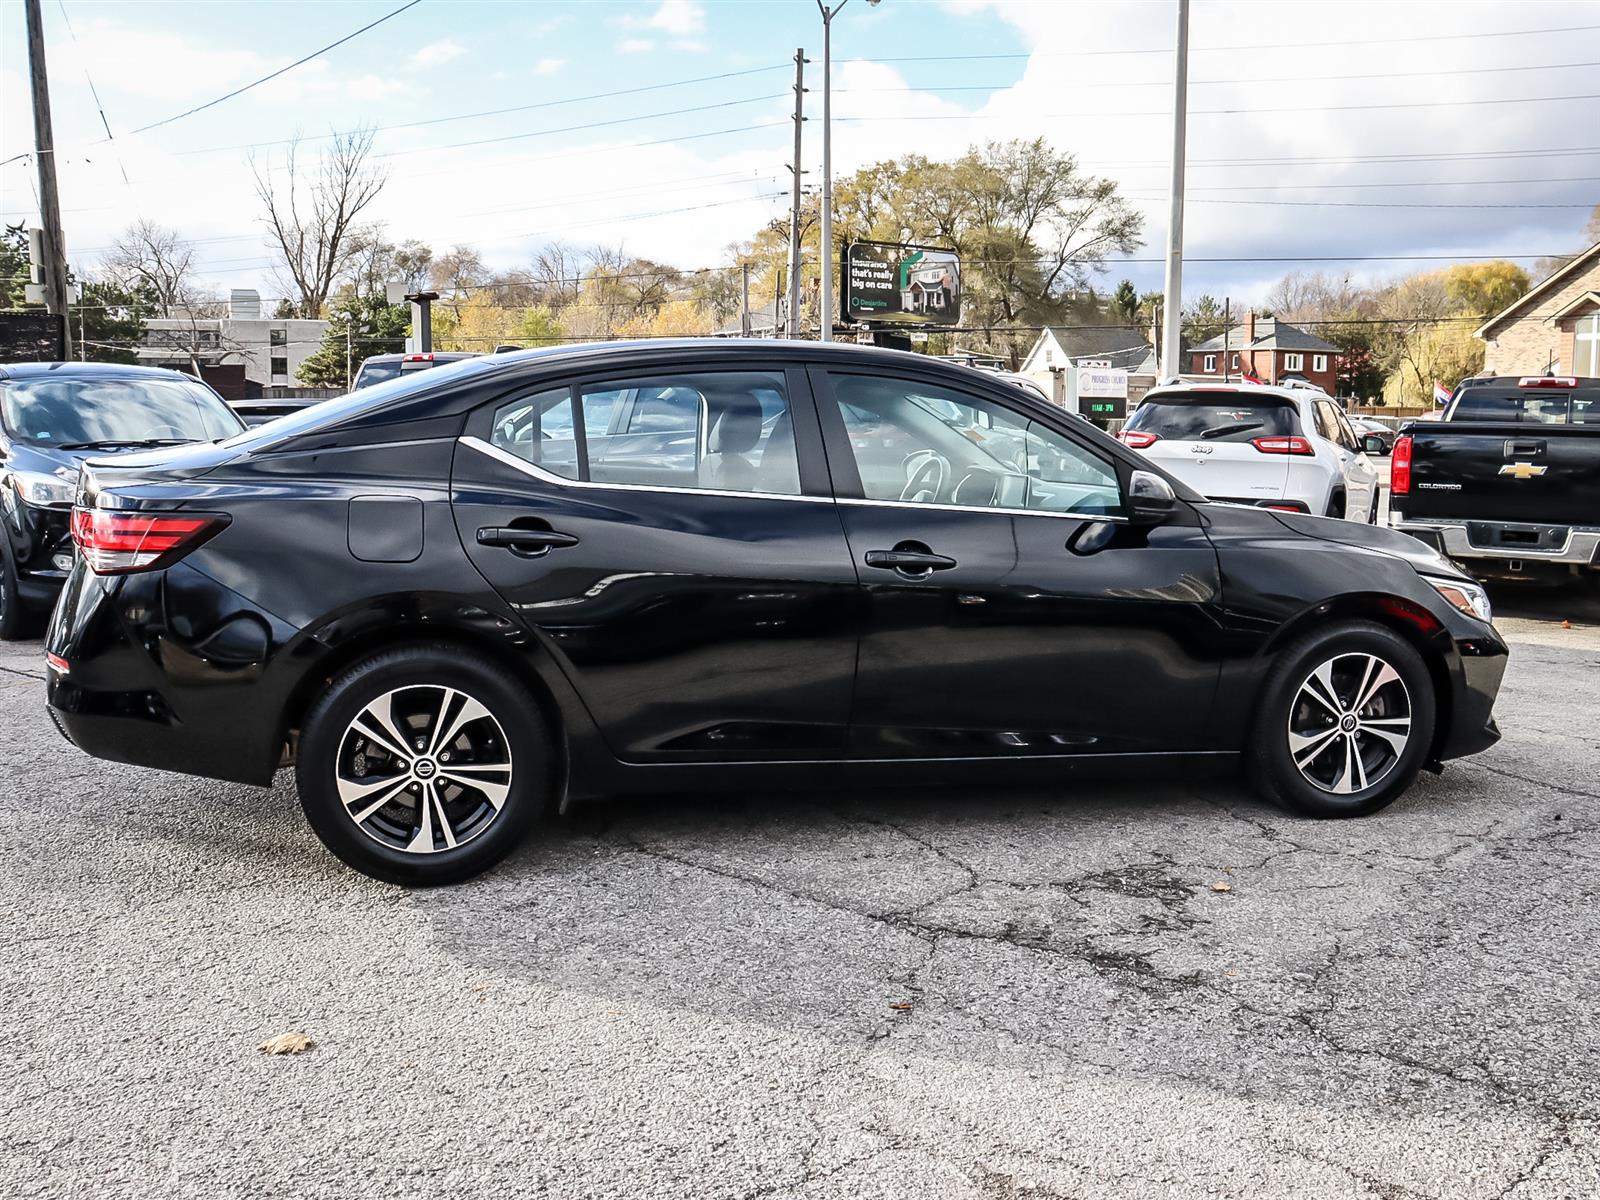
{"type": "Point", "coordinates": [1554, 327]}
{"type": "Point", "coordinates": [1062, 347]}
{"type": "Point", "coordinates": [1273, 351]}
{"type": "Point", "coordinates": [269, 349]}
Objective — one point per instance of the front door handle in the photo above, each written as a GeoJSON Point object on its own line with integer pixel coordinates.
{"type": "Point", "coordinates": [911, 562]}
{"type": "Point", "coordinates": [524, 541]}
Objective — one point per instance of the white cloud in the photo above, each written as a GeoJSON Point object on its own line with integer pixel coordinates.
{"type": "Point", "coordinates": [375, 87]}
{"type": "Point", "coordinates": [435, 53]}
{"type": "Point", "coordinates": [548, 66]}
{"type": "Point", "coordinates": [680, 18]}
{"type": "Point", "coordinates": [635, 45]}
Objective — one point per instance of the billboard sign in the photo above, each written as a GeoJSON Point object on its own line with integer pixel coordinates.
{"type": "Point", "coordinates": [902, 285]}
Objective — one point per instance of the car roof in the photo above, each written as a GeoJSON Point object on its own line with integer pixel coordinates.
{"type": "Point", "coordinates": [1185, 389]}
{"type": "Point", "coordinates": [391, 356]}
{"type": "Point", "coordinates": [89, 370]}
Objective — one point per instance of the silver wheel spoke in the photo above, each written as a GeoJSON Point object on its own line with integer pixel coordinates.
{"type": "Point", "coordinates": [1397, 738]}
{"type": "Point", "coordinates": [437, 801]}
{"type": "Point", "coordinates": [422, 843]}
{"type": "Point", "coordinates": [494, 793]}
{"type": "Point", "coordinates": [1306, 746]}
{"type": "Point", "coordinates": [1342, 784]}
{"type": "Point", "coordinates": [1387, 675]}
{"type": "Point", "coordinates": [377, 722]}
{"type": "Point", "coordinates": [1327, 696]}
{"type": "Point", "coordinates": [434, 726]}
{"type": "Point", "coordinates": [394, 792]}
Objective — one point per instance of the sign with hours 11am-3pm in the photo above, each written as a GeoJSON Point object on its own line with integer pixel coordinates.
{"type": "Point", "coordinates": [893, 284]}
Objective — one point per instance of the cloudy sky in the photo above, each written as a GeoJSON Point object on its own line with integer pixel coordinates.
{"type": "Point", "coordinates": [1344, 130]}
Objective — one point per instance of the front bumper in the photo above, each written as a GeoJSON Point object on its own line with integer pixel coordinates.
{"type": "Point", "coordinates": [1476, 668]}
{"type": "Point", "coordinates": [1508, 541]}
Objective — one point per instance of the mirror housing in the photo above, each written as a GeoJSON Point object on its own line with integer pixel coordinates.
{"type": "Point", "coordinates": [1372, 444]}
{"type": "Point", "coordinates": [1151, 499]}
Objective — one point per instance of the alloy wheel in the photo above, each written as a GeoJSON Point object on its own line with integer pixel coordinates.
{"type": "Point", "coordinates": [1350, 723]}
{"type": "Point", "coordinates": [423, 769]}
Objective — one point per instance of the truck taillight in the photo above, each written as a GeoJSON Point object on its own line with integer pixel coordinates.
{"type": "Point", "coordinates": [1282, 445]}
{"type": "Point", "coordinates": [1400, 467]}
{"type": "Point", "coordinates": [118, 543]}
{"type": "Point", "coordinates": [1132, 437]}
{"type": "Point", "coordinates": [1547, 381]}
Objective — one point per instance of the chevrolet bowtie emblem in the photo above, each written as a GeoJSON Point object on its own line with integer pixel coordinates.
{"type": "Point", "coordinates": [1523, 470]}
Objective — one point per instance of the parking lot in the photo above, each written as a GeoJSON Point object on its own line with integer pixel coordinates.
{"type": "Point", "coordinates": [1141, 989]}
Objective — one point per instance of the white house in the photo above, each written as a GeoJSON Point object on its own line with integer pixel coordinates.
{"type": "Point", "coordinates": [270, 349]}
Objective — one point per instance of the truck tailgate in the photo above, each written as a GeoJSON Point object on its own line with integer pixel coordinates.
{"type": "Point", "coordinates": [1511, 471]}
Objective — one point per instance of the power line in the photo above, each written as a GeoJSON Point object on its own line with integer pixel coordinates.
{"type": "Point", "coordinates": [280, 71]}
{"type": "Point", "coordinates": [1252, 47]}
{"type": "Point", "coordinates": [1359, 203]}
{"type": "Point", "coordinates": [1167, 83]}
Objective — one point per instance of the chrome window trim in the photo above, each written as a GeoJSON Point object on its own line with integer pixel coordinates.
{"type": "Point", "coordinates": [972, 508]}
{"type": "Point", "coordinates": [539, 473]}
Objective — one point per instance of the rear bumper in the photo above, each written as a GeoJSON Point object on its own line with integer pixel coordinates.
{"type": "Point", "coordinates": [1575, 545]}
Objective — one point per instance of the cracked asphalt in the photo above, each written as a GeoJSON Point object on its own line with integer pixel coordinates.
{"type": "Point", "coordinates": [1030, 993]}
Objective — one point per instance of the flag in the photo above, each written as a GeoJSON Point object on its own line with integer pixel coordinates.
{"type": "Point", "coordinates": [1249, 377]}
{"type": "Point", "coordinates": [1441, 394]}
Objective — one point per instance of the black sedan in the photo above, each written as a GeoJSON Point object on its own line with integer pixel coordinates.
{"type": "Point", "coordinates": [460, 600]}
{"type": "Point", "coordinates": [52, 417]}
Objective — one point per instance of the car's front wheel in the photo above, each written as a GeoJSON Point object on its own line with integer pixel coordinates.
{"type": "Point", "coordinates": [15, 621]}
{"type": "Point", "coordinates": [423, 765]}
{"type": "Point", "coordinates": [1345, 721]}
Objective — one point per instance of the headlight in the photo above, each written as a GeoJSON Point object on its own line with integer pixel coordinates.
{"type": "Point", "coordinates": [35, 488]}
{"type": "Point", "coordinates": [1468, 597]}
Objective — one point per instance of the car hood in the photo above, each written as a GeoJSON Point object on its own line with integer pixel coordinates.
{"type": "Point", "coordinates": [1371, 537]}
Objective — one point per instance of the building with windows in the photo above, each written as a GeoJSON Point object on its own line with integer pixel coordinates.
{"type": "Point", "coordinates": [1273, 351]}
{"type": "Point", "coordinates": [269, 349]}
{"type": "Point", "coordinates": [1554, 326]}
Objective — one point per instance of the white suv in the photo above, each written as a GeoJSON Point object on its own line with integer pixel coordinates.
{"type": "Point", "coordinates": [1273, 447]}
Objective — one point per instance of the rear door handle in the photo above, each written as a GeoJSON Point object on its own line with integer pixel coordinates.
{"type": "Point", "coordinates": [911, 561]}
{"type": "Point", "coordinates": [535, 541]}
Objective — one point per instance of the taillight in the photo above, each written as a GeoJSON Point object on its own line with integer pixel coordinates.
{"type": "Point", "coordinates": [1136, 439]}
{"type": "Point", "coordinates": [1547, 381]}
{"type": "Point", "coordinates": [1282, 445]}
{"type": "Point", "coordinates": [1400, 467]}
{"type": "Point", "coordinates": [427, 357]}
{"type": "Point", "coordinates": [116, 543]}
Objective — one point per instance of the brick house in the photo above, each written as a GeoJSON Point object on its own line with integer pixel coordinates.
{"type": "Point", "coordinates": [1271, 350]}
{"type": "Point", "coordinates": [1554, 327]}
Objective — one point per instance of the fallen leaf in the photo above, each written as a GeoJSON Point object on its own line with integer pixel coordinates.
{"type": "Point", "coordinates": [901, 1007]}
{"type": "Point", "coordinates": [286, 1043]}
{"type": "Point", "coordinates": [1222, 885]}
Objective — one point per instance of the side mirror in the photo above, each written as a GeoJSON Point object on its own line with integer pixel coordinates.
{"type": "Point", "coordinates": [1150, 498]}
{"type": "Point", "coordinates": [1372, 444]}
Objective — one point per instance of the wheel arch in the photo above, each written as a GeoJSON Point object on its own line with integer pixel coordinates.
{"type": "Point", "coordinates": [522, 660]}
{"type": "Point", "coordinates": [1415, 624]}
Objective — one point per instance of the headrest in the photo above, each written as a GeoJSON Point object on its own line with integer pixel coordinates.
{"type": "Point", "coordinates": [737, 426]}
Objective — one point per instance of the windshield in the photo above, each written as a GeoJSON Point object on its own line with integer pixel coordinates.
{"type": "Point", "coordinates": [1538, 406]}
{"type": "Point", "coordinates": [1224, 419]}
{"type": "Point", "coordinates": [87, 413]}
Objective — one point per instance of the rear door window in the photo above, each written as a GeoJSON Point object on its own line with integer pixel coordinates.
{"type": "Point", "coordinates": [1220, 419]}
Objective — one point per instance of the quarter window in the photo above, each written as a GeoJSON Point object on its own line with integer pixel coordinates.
{"type": "Point", "coordinates": [718, 431]}
{"type": "Point", "coordinates": [923, 444]}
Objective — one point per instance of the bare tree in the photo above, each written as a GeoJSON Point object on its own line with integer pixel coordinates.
{"type": "Point", "coordinates": [557, 272]}
{"type": "Point", "coordinates": [456, 273]}
{"type": "Point", "coordinates": [150, 257]}
{"type": "Point", "coordinates": [312, 224]}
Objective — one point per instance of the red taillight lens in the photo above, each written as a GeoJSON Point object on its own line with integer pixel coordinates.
{"type": "Point", "coordinates": [1400, 467]}
{"type": "Point", "coordinates": [1282, 445]}
{"type": "Point", "coordinates": [115, 543]}
{"type": "Point", "coordinates": [1132, 437]}
{"type": "Point", "coordinates": [1547, 381]}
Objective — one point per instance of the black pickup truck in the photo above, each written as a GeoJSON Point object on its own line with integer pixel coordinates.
{"type": "Point", "coordinates": [1508, 483]}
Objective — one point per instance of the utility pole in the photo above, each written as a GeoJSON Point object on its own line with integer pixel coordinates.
{"type": "Point", "coordinates": [1171, 339]}
{"type": "Point", "coordinates": [825, 287]}
{"type": "Point", "coordinates": [744, 299]}
{"type": "Point", "coordinates": [55, 252]}
{"type": "Point", "coordinates": [794, 212]}
{"type": "Point", "coordinates": [1227, 325]}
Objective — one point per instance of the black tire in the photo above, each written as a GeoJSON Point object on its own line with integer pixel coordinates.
{"type": "Point", "coordinates": [416, 678]}
{"type": "Point", "coordinates": [1374, 772]}
{"type": "Point", "coordinates": [16, 622]}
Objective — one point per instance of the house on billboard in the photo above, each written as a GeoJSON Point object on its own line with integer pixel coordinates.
{"type": "Point", "coordinates": [927, 288]}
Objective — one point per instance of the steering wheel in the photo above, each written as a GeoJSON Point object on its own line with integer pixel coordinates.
{"type": "Point", "coordinates": [927, 480]}
{"type": "Point", "coordinates": [155, 430]}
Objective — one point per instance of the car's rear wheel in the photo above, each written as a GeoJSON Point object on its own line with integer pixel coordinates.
{"type": "Point", "coordinates": [424, 765]}
{"type": "Point", "coordinates": [1345, 722]}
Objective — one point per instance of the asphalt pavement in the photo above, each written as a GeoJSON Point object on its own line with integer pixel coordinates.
{"type": "Point", "coordinates": [1162, 989]}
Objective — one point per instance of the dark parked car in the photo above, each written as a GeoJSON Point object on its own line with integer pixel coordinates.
{"type": "Point", "coordinates": [460, 600]}
{"type": "Point", "coordinates": [52, 417]}
{"type": "Point", "coordinates": [381, 368]}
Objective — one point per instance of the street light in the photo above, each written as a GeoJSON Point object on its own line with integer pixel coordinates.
{"type": "Point", "coordinates": [825, 292]}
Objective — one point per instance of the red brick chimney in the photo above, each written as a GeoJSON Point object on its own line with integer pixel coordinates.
{"type": "Point", "coordinates": [1249, 327]}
